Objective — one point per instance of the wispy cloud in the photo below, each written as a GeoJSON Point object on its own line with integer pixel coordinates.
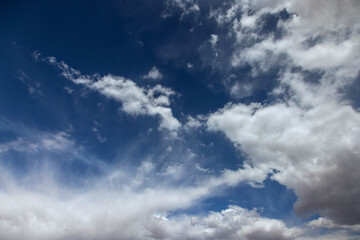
{"type": "Point", "coordinates": [136, 100]}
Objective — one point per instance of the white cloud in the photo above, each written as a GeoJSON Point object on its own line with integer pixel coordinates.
{"type": "Point", "coordinates": [127, 204]}
{"type": "Point", "coordinates": [154, 74]}
{"type": "Point", "coordinates": [124, 205]}
{"type": "Point", "coordinates": [309, 133]}
{"type": "Point", "coordinates": [194, 122]}
{"type": "Point", "coordinates": [119, 207]}
{"type": "Point", "coordinates": [59, 141]}
{"type": "Point", "coordinates": [189, 65]}
{"type": "Point", "coordinates": [187, 7]}
{"type": "Point", "coordinates": [213, 40]}
{"type": "Point", "coordinates": [337, 29]}
{"type": "Point", "coordinates": [241, 90]}
{"type": "Point", "coordinates": [110, 215]}
{"type": "Point", "coordinates": [136, 100]}
{"type": "Point", "coordinates": [69, 90]}
{"type": "Point", "coordinates": [232, 223]}
{"type": "Point", "coordinates": [18, 145]}
{"type": "Point", "coordinates": [311, 138]}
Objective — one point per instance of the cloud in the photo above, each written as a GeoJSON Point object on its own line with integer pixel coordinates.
{"type": "Point", "coordinates": [113, 215]}
{"type": "Point", "coordinates": [69, 90]}
{"type": "Point", "coordinates": [59, 141]}
{"type": "Point", "coordinates": [154, 74]}
{"type": "Point", "coordinates": [109, 211]}
{"type": "Point", "coordinates": [187, 7]}
{"type": "Point", "coordinates": [189, 65]}
{"type": "Point", "coordinates": [337, 44]}
{"type": "Point", "coordinates": [232, 223]}
{"type": "Point", "coordinates": [311, 138]}
{"type": "Point", "coordinates": [33, 86]}
{"type": "Point", "coordinates": [194, 122]}
{"type": "Point", "coordinates": [329, 224]}
{"type": "Point", "coordinates": [309, 133]}
{"type": "Point", "coordinates": [136, 100]}
{"type": "Point", "coordinates": [118, 202]}
{"type": "Point", "coordinates": [213, 40]}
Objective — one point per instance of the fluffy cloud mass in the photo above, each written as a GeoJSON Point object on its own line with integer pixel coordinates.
{"type": "Point", "coordinates": [310, 133]}
{"type": "Point", "coordinates": [312, 141]}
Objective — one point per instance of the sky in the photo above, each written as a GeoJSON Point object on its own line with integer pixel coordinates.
{"type": "Point", "coordinates": [180, 119]}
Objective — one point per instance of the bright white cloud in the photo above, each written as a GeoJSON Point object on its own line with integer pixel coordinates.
{"type": "Point", "coordinates": [310, 134]}
{"type": "Point", "coordinates": [336, 28]}
{"type": "Point", "coordinates": [126, 205]}
{"type": "Point", "coordinates": [312, 139]}
{"type": "Point", "coordinates": [136, 100]}
{"type": "Point", "coordinates": [213, 40]}
{"type": "Point", "coordinates": [232, 223]}
{"type": "Point", "coordinates": [154, 74]}
{"type": "Point", "coordinates": [187, 7]}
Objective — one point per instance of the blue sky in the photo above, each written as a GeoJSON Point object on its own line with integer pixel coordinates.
{"type": "Point", "coordinates": [179, 119]}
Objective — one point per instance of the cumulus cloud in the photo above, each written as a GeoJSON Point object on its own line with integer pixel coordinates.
{"type": "Point", "coordinates": [326, 40]}
{"type": "Point", "coordinates": [312, 139]}
{"type": "Point", "coordinates": [310, 134]}
{"type": "Point", "coordinates": [154, 74]}
{"type": "Point", "coordinates": [329, 224]}
{"type": "Point", "coordinates": [136, 100]}
{"type": "Point", "coordinates": [232, 223]}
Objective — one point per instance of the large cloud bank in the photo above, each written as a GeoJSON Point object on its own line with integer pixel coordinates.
{"type": "Point", "coordinates": [310, 132]}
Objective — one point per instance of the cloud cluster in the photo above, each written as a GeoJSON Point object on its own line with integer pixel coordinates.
{"type": "Point", "coordinates": [314, 148]}
{"type": "Point", "coordinates": [309, 134]}
{"type": "Point", "coordinates": [327, 40]}
{"type": "Point", "coordinates": [232, 223]}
